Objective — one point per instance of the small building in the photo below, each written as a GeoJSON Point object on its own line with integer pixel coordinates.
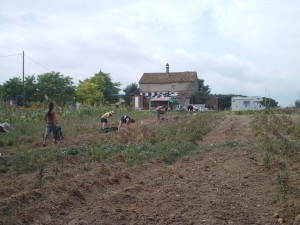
{"type": "Point", "coordinates": [167, 87]}
{"type": "Point", "coordinates": [246, 103]}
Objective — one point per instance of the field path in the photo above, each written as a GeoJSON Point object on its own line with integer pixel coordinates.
{"type": "Point", "coordinates": [228, 186]}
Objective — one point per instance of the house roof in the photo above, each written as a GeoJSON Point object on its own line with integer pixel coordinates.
{"type": "Point", "coordinates": [171, 77]}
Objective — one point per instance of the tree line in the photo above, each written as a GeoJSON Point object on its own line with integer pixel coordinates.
{"type": "Point", "coordinates": [98, 89]}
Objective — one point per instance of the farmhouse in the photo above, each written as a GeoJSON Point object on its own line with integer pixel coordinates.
{"type": "Point", "coordinates": [246, 103]}
{"type": "Point", "coordinates": [168, 88]}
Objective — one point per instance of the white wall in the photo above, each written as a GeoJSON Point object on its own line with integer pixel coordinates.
{"type": "Point", "coordinates": [246, 103]}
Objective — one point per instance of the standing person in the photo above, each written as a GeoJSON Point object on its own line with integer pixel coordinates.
{"type": "Point", "coordinates": [160, 110]}
{"type": "Point", "coordinates": [51, 122]}
{"type": "Point", "coordinates": [125, 119]}
{"type": "Point", "coordinates": [104, 118]}
{"type": "Point", "coordinates": [5, 127]}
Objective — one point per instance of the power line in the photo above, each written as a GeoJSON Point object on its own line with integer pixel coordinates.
{"type": "Point", "coordinates": [20, 54]}
{"type": "Point", "coordinates": [38, 63]}
{"type": "Point", "coordinates": [5, 56]}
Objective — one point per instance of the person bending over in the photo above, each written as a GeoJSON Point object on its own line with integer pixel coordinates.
{"type": "Point", "coordinates": [125, 120]}
{"type": "Point", "coordinates": [104, 118]}
{"type": "Point", "coordinates": [190, 108]}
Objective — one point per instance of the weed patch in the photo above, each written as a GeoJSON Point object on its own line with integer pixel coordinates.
{"type": "Point", "coordinates": [279, 142]}
{"type": "Point", "coordinates": [171, 139]}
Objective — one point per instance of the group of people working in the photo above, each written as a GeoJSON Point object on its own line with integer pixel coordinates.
{"type": "Point", "coordinates": [51, 120]}
{"type": "Point", "coordinates": [123, 120]}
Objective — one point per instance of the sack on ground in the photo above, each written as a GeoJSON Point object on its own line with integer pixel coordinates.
{"type": "Point", "coordinates": [57, 133]}
{"type": "Point", "coordinates": [108, 129]}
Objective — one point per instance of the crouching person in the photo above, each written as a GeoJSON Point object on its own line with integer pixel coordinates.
{"type": "Point", "coordinates": [126, 120]}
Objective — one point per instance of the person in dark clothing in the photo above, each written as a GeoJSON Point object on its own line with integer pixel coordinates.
{"type": "Point", "coordinates": [126, 120]}
{"type": "Point", "coordinates": [190, 108]}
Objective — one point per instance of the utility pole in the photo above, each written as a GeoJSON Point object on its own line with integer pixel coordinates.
{"type": "Point", "coordinates": [23, 91]}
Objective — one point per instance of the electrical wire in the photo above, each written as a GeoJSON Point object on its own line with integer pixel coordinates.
{"type": "Point", "coordinates": [37, 63]}
{"type": "Point", "coordinates": [20, 54]}
{"type": "Point", "coordinates": [5, 56]}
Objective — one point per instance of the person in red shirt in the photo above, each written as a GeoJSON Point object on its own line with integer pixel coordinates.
{"type": "Point", "coordinates": [51, 122]}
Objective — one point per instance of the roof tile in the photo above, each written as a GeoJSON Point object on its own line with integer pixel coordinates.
{"type": "Point", "coordinates": [172, 77]}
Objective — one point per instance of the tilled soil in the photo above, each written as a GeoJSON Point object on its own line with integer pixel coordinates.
{"type": "Point", "coordinates": [226, 183]}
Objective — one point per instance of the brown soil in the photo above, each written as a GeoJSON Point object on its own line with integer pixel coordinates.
{"type": "Point", "coordinates": [227, 185]}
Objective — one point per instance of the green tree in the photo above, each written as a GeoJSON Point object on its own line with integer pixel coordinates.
{"type": "Point", "coordinates": [13, 90]}
{"type": "Point", "coordinates": [225, 101]}
{"type": "Point", "coordinates": [108, 90]}
{"type": "Point", "coordinates": [57, 87]}
{"type": "Point", "coordinates": [297, 103]}
{"type": "Point", "coordinates": [269, 103]}
{"type": "Point", "coordinates": [202, 95]}
{"type": "Point", "coordinates": [30, 89]}
{"type": "Point", "coordinates": [131, 90]}
{"type": "Point", "coordinates": [1, 92]}
{"type": "Point", "coordinates": [88, 92]}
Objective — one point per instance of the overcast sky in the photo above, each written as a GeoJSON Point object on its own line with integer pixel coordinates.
{"type": "Point", "coordinates": [247, 47]}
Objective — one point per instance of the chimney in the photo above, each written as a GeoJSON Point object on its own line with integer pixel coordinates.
{"type": "Point", "coordinates": [167, 70]}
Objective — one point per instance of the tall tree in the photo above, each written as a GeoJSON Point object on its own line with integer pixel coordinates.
{"type": "Point", "coordinates": [89, 93]}
{"type": "Point", "coordinates": [269, 103]}
{"type": "Point", "coordinates": [203, 93]}
{"type": "Point", "coordinates": [57, 87]}
{"type": "Point", "coordinates": [225, 101]}
{"type": "Point", "coordinates": [108, 90]}
{"type": "Point", "coordinates": [131, 90]}
{"type": "Point", "coordinates": [13, 90]}
{"type": "Point", "coordinates": [30, 89]}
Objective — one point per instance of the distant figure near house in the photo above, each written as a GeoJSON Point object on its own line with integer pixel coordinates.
{"type": "Point", "coordinates": [190, 108]}
{"type": "Point", "coordinates": [160, 110]}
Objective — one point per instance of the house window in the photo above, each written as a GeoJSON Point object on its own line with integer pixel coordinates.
{"type": "Point", "coordinates": [173, 87]}
{"type": "Point", "coordinates": [246, 103]}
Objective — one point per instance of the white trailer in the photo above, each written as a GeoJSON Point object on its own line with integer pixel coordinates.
{"type": "Point", "coordinates": [246, 103]}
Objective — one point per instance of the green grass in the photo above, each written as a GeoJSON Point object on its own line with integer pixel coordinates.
{"type": "Point", "coordinates": [279, 140]}
{"type": "Point", "coordinates": [171, 139]}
